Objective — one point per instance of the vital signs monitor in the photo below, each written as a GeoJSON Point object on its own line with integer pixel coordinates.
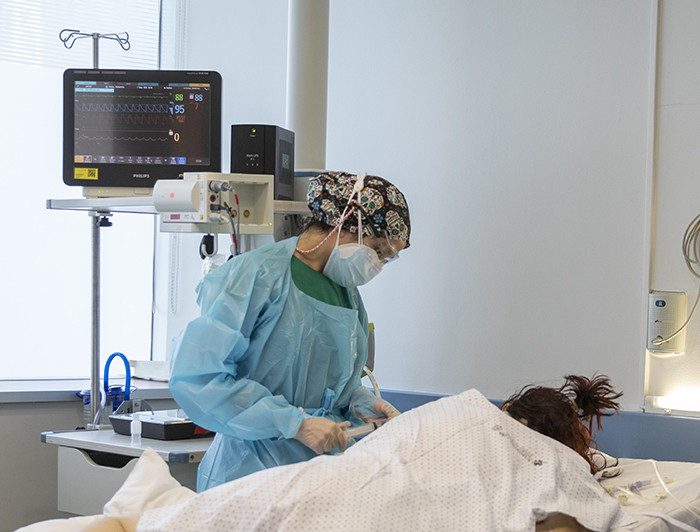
{"type": "Point", "coordinates": [130, 128]}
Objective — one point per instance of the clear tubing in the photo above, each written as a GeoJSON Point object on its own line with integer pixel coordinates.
{"type": "Point", "coordinates": [377, 392]}
{"type": "Point", "coordinates": [665, 487]}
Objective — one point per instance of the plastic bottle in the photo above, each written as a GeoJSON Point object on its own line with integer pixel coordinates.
{"type": "Point", "coordinates": [136, 429]}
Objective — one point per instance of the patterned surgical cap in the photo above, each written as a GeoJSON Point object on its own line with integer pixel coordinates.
{"type": "Point", "coordinates": [382, 205]}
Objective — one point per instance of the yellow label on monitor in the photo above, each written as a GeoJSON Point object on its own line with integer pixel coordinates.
{"type": "Point", "coordinates": [85, 173]}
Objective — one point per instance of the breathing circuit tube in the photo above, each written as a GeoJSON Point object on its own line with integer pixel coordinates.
{"type": "Point", "coordinates": [127, 385]}
{"type": "Point", "coordinates": [105, 384]}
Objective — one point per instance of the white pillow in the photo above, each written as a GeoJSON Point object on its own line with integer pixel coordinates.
{"type": "Point", "coordinates": [149, 485]}
{"type": "Point", "coordinates": [603, 462]}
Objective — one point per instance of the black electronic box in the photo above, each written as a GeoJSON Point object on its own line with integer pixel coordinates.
{"type": "Point", "coordinates": [264, 149]}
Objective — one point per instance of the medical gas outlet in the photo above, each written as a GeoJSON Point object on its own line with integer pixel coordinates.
{"type": "Point", "coordinates": [667, 315]}
{"type": "Point", "coordinates": [211, 202]}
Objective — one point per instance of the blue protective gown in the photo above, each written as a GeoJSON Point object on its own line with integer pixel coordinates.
{"type": "Point", "coordinates": [262, 357]}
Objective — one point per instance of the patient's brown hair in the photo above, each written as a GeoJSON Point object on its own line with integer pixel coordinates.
{"type": "Point", "coordinates": [570, 414]}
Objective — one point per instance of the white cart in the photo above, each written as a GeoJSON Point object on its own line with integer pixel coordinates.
{"type": "Point", "coordinates": [93, 464]}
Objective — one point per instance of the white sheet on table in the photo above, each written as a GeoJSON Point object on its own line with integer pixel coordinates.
{"type": "Point", "coordinates": [458, 463]}
{"type": "Point", "coordinates": [682, 480]}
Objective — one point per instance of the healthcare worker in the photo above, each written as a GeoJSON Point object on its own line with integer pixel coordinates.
{"type": "Point", "coordinates": [274, 362]}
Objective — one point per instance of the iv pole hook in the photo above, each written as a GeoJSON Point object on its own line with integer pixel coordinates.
{"type": "Point", "coordinates": [68, 38]}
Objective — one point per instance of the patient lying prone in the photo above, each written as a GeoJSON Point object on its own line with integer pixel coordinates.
{"type": "Point", "coordinates": [458, 463]}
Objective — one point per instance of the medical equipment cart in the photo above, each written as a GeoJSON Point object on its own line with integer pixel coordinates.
{"type": "Point", "coordinates": [93, 464]}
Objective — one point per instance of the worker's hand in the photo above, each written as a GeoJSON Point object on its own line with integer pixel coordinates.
{"type": "Point", "coordinates": [322, 435]}
{"type": "Point", "coordinates": [385, 411]}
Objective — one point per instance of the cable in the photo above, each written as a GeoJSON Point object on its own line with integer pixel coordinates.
{"type": "Point", "coordinates": [691, 254]}
{"type": "Point", "coordinates": [238, 210]}
{"type": "Point", "coordinates": [208, 246]}
{"type": "Point", "coordinates": [100, 409]}
{"type": "Point", "coordinates": [665, 487]}
{"type": "Point", "coordinates": [234, 236]}
{"type": "Point", "coordinates": [691, 246]}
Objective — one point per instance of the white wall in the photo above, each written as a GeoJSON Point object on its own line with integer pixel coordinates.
{"type": "Point", "coordinates": [518, 132]}
{"type": "Point", "coordinates": [246, 42]}
{"type": "Point", "coordinates": [29, 481]}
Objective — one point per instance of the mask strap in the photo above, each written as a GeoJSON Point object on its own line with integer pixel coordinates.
{"type": "Point", "coordinates": [359, 186]}
{"type": "Point", "coordinates": [307, 251]}
{"type": "Point", "coordinates": [337, 238]}
{"type": "Point", "coordinates": [356, 189]}
{"type": "Point", "coordinates": [343, 217]}
{"type": "Point", "coordinates": [359, 227]}
{"type": "Point", "coordinates": [342, 220]}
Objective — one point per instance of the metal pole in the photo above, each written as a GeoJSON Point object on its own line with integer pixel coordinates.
{"type": "Point", "coordinates": [95, 50]}
{"type": "Point", "coordinates": [95, 374]}
{"type": "Point", "coordinates": [95, 359]}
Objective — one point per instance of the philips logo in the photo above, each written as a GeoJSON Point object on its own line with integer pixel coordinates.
{"type": "Point", "coordinates": [141, 176]}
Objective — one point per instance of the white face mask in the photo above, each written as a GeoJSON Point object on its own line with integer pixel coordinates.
{"type": "Point", "coordinates": [352, 265]}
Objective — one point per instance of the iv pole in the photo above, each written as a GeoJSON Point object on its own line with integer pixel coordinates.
{"type": "Point", "coordinates": [99, 219]}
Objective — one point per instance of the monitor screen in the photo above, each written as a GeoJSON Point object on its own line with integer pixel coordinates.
{"type": "Point", "coordinates": [130, 128]}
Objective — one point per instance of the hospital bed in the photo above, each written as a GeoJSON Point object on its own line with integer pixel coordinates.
{"type": "Point", "coordinates": [457, 463]}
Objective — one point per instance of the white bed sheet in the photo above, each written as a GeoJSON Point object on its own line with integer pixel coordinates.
{"type": "Point", "coordinates": [458, 463]}
{"type": "Point", "coordinates": [413, 474]}
{"type": "Point", "coordinates": [640, 492]}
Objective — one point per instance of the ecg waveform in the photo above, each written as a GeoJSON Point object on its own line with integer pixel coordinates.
{"type": "Point", "coordinates": [113, 107]}
{"type": "Point", "coordinates": [121, 138]}
{"type": "Point", "coordinates": [102, 120]}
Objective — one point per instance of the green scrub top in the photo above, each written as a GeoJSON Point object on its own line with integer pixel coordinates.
{"type": "Point", "coordinates": [318, 286]}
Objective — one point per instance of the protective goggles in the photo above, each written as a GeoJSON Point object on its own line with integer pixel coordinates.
{"type": "Point", "coordinates": [386, 252]}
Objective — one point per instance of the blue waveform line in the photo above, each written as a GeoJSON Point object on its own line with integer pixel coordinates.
{"type": "Point", "coordinates": [86, 107]}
